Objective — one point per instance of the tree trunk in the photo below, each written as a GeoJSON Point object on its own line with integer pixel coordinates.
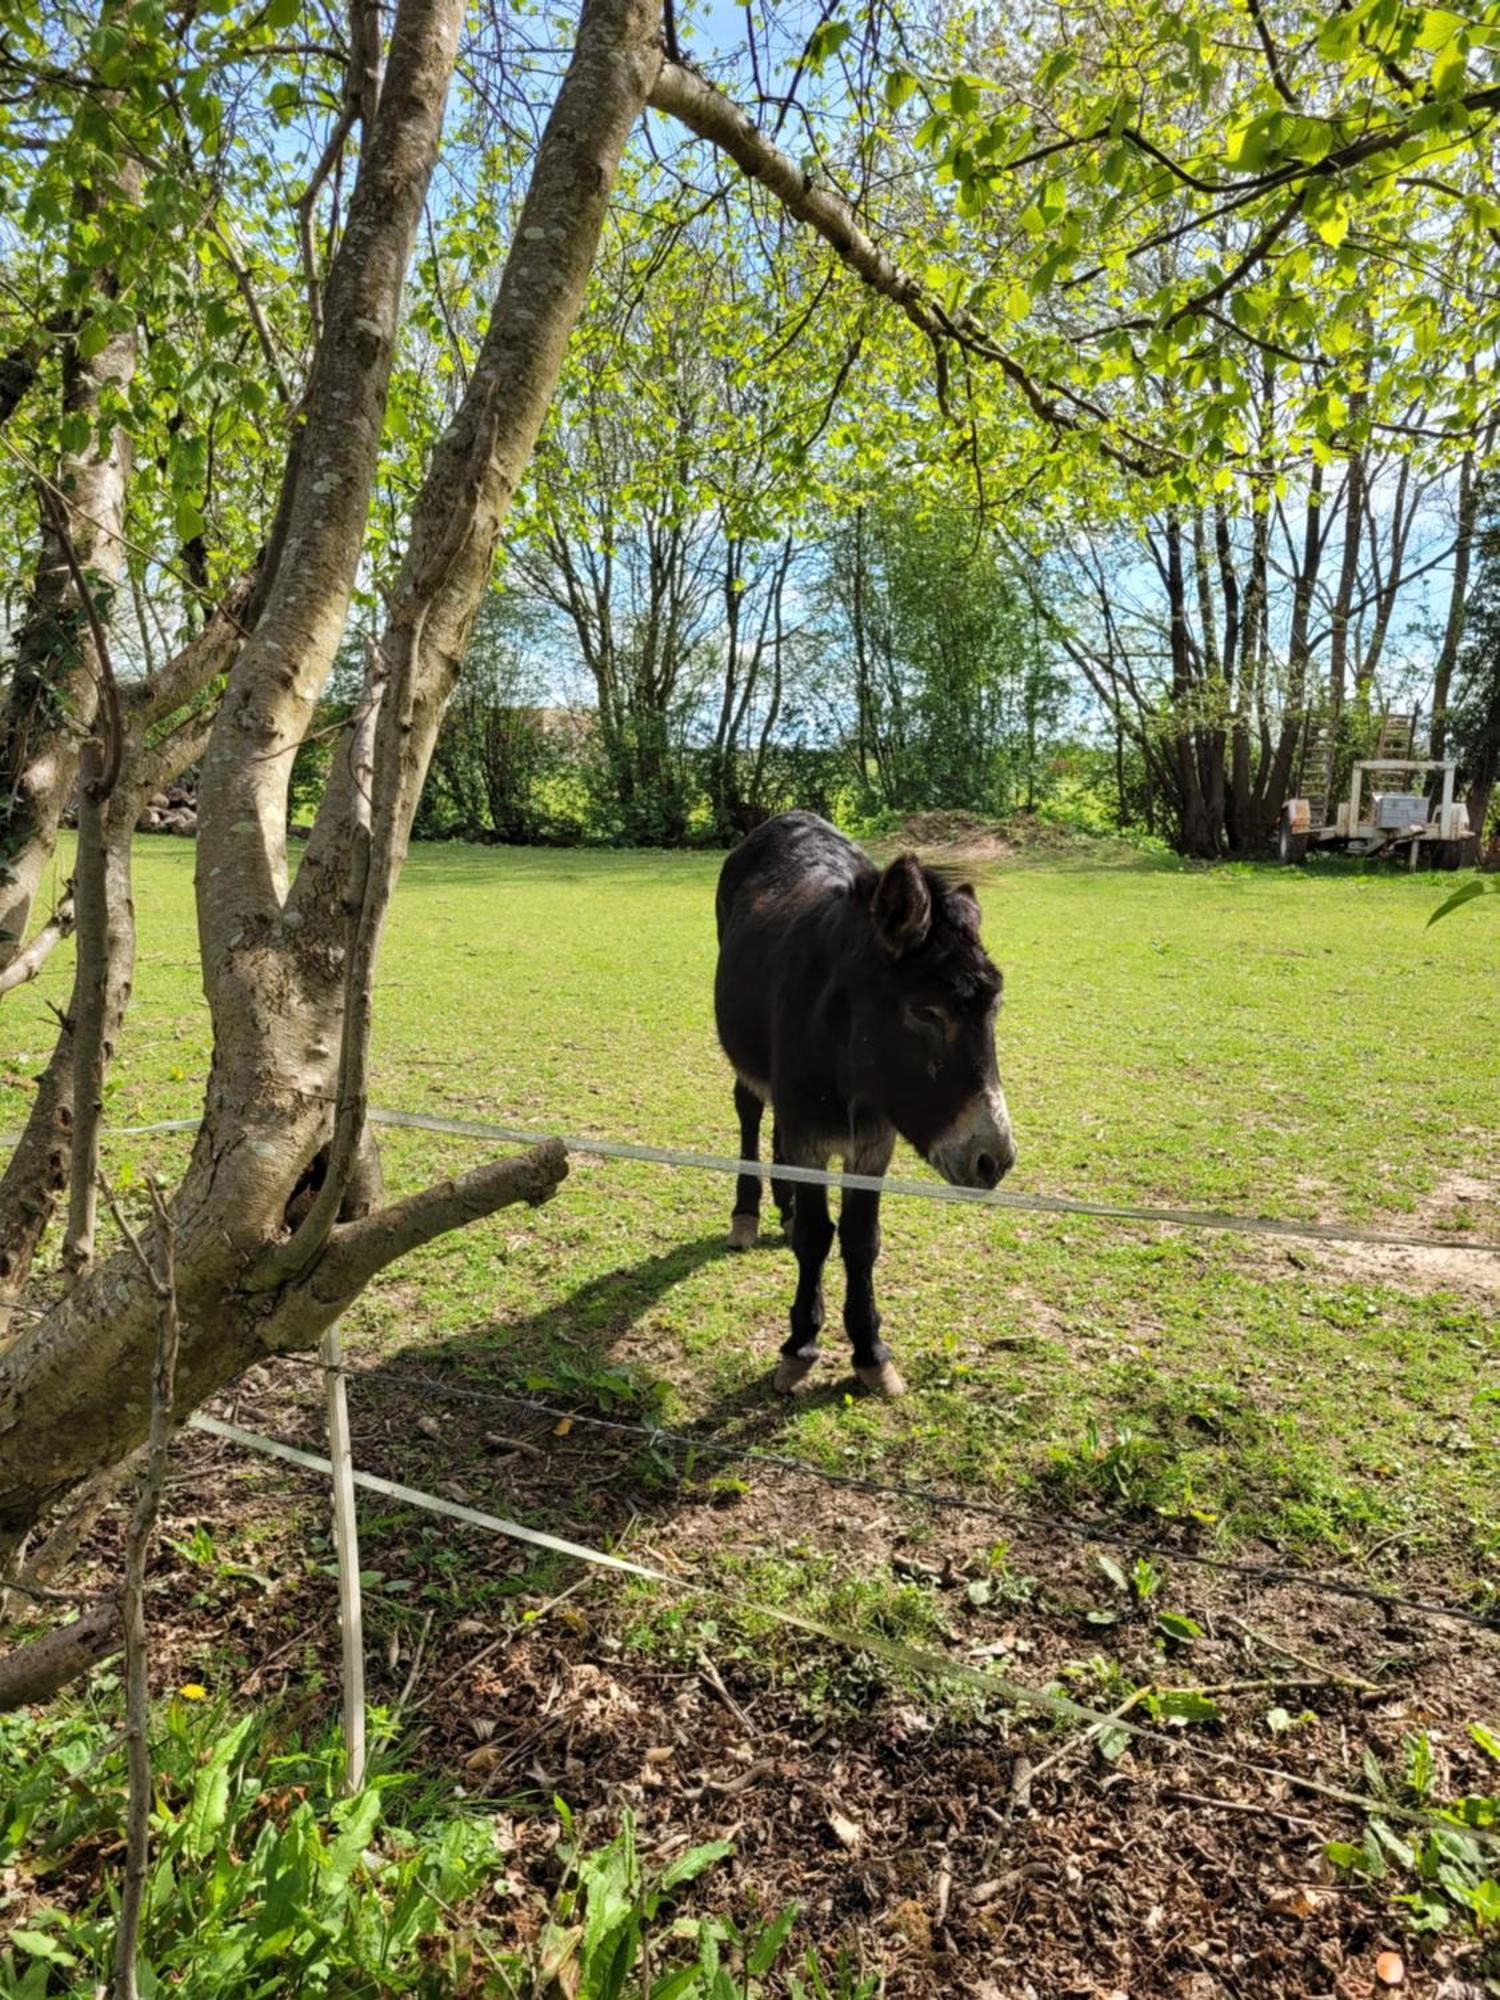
{"type": "Point", "coordinates": [1343, 602]}
{"type": "Point", "coordinates": [1453, 629]}
{"type": "Point", "coordinates": [38, 1170]}
{"type": "Point", "coordinates": [288, 971]}
{"type": "Point", "coordinates": [54, 679]}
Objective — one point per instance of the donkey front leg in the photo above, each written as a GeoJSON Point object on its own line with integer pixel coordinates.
{"type": "Point", "coordinates": [812, 1239]}
{"type": "Point", "coordinates": [859, 1242]}
{"type": "Point", "coordinates": [744, 1224]}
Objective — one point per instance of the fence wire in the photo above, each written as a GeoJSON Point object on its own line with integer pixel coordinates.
{"type": "Point", "coordinates": [1011, 1200]}
{"type": "Point", "coordinates": [915, 1659]}
{"type": "Point", "coordinates": [934, 1497]}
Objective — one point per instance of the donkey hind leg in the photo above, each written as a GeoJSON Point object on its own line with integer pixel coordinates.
{"type": "Point", "coordinates": [812, 1238]}
{"type": "Point", "coordinates": [783, 1192]}
{"type": "Point", "coordinates": [859, 1244]}
{"type": "Point", "coordinates": [744, 1224]}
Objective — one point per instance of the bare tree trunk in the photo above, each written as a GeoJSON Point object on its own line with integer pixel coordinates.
{"type": "Point", "coordinates": [1199, 833]}
{"type": "Point", "coordinates": [54, 681]}
{"type": "Point", "coordinates": [101, 920]}
{"type": "Point", "coordinates": [1453, 629]}
{"type": "Point", "coordinates": [1343, 602]}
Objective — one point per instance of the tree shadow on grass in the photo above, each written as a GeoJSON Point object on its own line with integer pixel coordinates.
{"type": "Point", "coordinates": [565, 1357]}
{"type": "Point", "coordinates": [573, 1337]}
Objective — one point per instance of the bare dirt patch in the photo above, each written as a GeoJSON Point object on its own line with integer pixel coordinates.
{"type": "Point", "coordinates": [959, 1849]}
{"type": "Point", "coordinates": [1458, 1201]}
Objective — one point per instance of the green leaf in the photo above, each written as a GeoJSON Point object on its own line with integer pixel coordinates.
{"type": "Point", "coordinates": [1450, 67]}
{"type": "Point", "coordinates": [1333, 228]}
{"type": "Point", "coordinates": [93, 338]}
{"type": "Point", "coordinates": [826, 41]}
{"type": "Point", "coordinates": [767, 1947]}
{"type": "Point", "coordinates": [1487, 1740]}
{"type": "Point", "coordinates": [209, 1805]}
{"type": "Point", "coordinates": [358, 1817]}
{"type": "Point", "coordinates": [1466, 894]}
{"type": "Point", "coordinates": [899, 86]}
{"type": "Point", "coordinates": [1114, 1572]}
{"type": "Point", "coordinates": [41, 1946]}
{"type": "Point", "coordinates": [692, 1864]}
{"type": "Point", "coordinates": [187, 519]}
{"type": "Point", "coordinates": [1173, 1625]}
{"type": "Point", "coordinates": [1182, 1705]}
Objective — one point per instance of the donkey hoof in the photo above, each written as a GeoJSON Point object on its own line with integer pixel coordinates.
{"type": "Point", "coordinates": [792, 1370]}
{"type": "Point", "coordinates": [743, 1230]}
{"type": "Point", "coordinates": [882, 1378]}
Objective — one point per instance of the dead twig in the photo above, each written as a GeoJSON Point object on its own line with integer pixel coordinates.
{"type": "Point", "coordinates": [1324, 1673]}
{"type": "Point", "coordinates": [1293, 1820]}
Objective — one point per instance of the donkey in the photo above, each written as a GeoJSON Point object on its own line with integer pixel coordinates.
{"type": "Point", "coordinates": [858, 1003]}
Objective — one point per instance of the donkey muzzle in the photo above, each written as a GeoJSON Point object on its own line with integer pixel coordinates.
{"type": "Point", "coordinates": [978, 1150]}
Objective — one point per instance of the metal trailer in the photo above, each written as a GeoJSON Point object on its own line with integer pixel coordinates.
{"type": "Point", "coordinates": [1395, 820]}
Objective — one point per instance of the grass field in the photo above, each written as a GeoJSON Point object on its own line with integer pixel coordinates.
{"type": "Point", "coordinates": [1283, 1043]}
{"type": "Point", "coordinates": [1296, 1045]}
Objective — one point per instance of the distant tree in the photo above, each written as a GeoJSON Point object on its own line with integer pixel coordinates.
{"type": "Point", "coordinates": [954, 696]}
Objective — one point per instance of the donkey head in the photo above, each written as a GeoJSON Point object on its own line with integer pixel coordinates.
{"type": "Point", "coordinates": [923, 1025]}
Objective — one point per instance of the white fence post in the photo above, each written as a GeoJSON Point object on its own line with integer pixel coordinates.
{"type": "Point", "coordinates": [346, 1544]}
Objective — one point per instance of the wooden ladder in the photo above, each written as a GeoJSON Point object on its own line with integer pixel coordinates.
{"type": "Point", "coordinates": [1397, 734]}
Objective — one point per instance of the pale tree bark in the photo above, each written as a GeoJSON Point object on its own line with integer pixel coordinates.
{"type": "Point", "coordinates": [53, 690]}
{"type": "Point", "coordinates": [38, 1170]}
{"type": "Point", "coordinates": [288, 975]}
{"type": "Point", "coordinates": [1453, 628]}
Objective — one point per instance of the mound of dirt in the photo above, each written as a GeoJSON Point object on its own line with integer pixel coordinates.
{"type": "Point", "coordinates": [973, 837]}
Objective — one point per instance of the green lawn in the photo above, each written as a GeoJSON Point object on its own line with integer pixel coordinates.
{"type": "Point", "coordinates": [1284, 1042]}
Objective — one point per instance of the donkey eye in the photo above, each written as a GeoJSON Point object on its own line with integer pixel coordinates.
{"type": "Point", "coordinates": [930, 1017]}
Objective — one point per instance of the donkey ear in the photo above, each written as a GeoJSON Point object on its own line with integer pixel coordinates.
{"type": "Point", "coordinates": [964, 905]}
{"type": "Point", "coordinates": [902, 908]}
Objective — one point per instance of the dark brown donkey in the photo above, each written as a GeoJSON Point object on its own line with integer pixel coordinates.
{"type": "Point", "coordinates": [858, 1003]}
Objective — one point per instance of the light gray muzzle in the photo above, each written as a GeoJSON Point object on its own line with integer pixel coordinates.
{"type": "Point", "coordinates": [978, 1149]}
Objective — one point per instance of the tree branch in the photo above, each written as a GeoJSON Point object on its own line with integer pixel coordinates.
{"type": "Point", "coordinates": [44, 1668]}
{"type": "Point", "coordinates": [357, 1250]}
{"type": "Point", "coordinates": [681, 93]}
{"type": "Point", "coordinates": [29, 961]}
{"type": "Point", "coordinates": [1273, 61]}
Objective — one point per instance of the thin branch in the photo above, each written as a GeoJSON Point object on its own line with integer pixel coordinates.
{"type": "Point", "coordinates": [29, 961]}
{"type": "Point", "coordinates": [225, 243]}
{"type": "Point", "coordinates": [1273, 61]}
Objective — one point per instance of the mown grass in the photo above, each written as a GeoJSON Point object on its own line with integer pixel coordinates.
{"type": "Point", "coordinates": [1290, 1043]}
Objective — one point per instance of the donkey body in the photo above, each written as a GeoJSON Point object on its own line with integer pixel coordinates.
{"type": "Point", "coordinates": [859, 1004]}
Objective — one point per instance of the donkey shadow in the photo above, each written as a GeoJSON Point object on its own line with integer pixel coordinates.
{"type": "Point", "coordinates": [563, 1357]}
